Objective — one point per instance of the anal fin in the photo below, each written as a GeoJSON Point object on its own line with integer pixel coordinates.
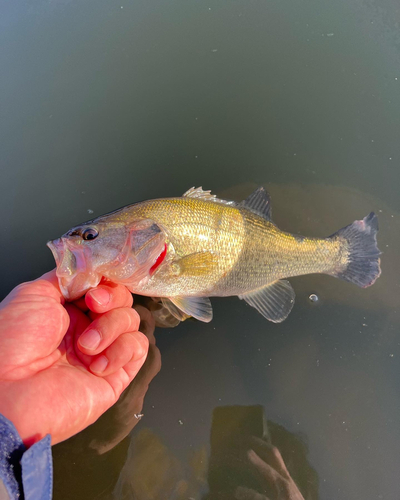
{"type": "Point", "coordinates": [274, 301]}
{"type": "Point", "coordinates": [184, 307]}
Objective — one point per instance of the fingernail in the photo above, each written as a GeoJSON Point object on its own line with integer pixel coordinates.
{"type": "Point", "coordinates": [99, 364]}
{"type": "Point", "coordinates": [101, 296]}
{"type": "Point", "coordinates": [90, 339]}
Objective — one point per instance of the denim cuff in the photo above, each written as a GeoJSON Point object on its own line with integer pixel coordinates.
{"type": "Point", "coordinates": [25, 473]}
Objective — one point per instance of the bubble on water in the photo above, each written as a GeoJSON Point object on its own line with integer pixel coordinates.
{"type": "Point", "coordinates": [313, 297]}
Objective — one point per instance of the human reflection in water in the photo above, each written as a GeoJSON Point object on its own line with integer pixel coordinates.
{"type": "Point", "coordinates": [243, 465]}
{"type": "Point", "coordinates": [273, 475]}
{"type": "Point", "coordinates": [246, 461]}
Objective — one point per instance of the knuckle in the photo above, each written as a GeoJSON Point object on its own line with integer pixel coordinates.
{"type": "Point", "coordinates": [141, 344]}
{"type": "Point", "coordinates": [64, 316]}
{"type": "Point", "coordinates": [134, 318]}
{"type": "Point", "coordinates": [126, 293]}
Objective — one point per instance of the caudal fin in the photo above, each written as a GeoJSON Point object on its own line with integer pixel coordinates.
{"type": "Point", "coordinates": [363, 263]}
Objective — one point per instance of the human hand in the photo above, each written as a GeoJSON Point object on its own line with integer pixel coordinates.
{"type": "Point", "coordinates": [119, 421]}
{"type": "Point", "coordinates": [51, 381]}
{"type": "Point", "coordinates": [271, 470]}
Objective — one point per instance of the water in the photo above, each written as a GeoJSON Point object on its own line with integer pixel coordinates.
{"type": "Point", "coordinates": [105, 103]}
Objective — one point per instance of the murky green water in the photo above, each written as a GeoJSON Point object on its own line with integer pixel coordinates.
{"type": "Point", "coordinates": [104, 103]}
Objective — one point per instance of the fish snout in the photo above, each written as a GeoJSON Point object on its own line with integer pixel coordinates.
{"type": "Point", "coordinates": [56, 247]}
{"type": "Point", "coordinates": [65, 260]}
{"type": "Point", "coordinates": [74, 274]}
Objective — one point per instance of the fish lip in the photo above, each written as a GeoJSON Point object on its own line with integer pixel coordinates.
{"type": "Point", "coordinates": [59, 248]}
{"type": "Point", "coordinates": [56, 249]}
{"type": "Point", "coordinates": [70, 279]}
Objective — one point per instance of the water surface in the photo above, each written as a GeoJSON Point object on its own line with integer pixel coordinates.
{"type": "Point", "coordinates": [105, 103]}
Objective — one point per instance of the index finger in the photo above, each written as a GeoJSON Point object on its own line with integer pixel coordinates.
{"type": "Point", "coordinates": [108, 296]}
{"type": "Point", "coordinates": [269, 454]}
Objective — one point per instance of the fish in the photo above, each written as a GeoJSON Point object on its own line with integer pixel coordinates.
{"type": "Point", "coordinates": [186, 249]}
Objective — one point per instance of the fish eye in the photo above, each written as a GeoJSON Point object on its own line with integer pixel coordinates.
{"type": "Point", "coordinates": [90, 233]}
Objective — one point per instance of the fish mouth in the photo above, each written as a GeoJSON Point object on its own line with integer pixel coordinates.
{"type": "Point", "coordinates": [75, 276]}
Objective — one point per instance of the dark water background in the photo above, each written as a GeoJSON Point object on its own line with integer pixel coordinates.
{"type": "Point", "coordinates": [103, 103]}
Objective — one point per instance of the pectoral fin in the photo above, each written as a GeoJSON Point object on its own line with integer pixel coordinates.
{"type": "Point", "coordinates": [274, 301]}
{"type": "Point", "coordinates": [184, 307]}
{"type": "Point", "coordinates": [196, 264]}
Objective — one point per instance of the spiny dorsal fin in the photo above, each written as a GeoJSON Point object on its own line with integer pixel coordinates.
{"type": "Point", "coordinates": [274, 301]}
{"type": "Point", "coordinates": [260, 203]}
{"type": "Point", "coordinates": [182, 307]}
{"type": "Point", "coordinates": [199, 193]}
{"type": "Point", "coordinates": [205, 195]}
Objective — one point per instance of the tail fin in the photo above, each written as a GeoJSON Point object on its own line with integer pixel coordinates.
{"type": "Point", "coordinates": [363, 266]}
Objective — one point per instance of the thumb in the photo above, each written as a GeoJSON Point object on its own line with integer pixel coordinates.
{"type": "Point", "coordinates": [46, 286]}
{"type": "Point", "coordinates": [32, 322]}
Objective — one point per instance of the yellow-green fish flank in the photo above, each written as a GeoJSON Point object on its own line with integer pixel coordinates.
{"type": "Point", "coordinates": [187, 249]}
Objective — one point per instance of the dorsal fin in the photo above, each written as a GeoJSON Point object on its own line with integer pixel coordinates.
{"type": "Point", "coordinates": [259, 202]}
{"type": "Point", "coordinates": [199, 193]}
{"type": "Point", "coordinates": [205, 195]}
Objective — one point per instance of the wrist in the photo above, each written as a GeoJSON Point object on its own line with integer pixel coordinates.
{"type": "Point", "coordinates": [16, 410]}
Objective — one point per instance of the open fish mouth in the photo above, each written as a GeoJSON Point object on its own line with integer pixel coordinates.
{"type": "Point", "coordinates": [75, 277]}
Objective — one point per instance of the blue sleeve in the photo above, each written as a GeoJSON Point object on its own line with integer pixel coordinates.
{"type": "Point", "coordinates": [24, 472]}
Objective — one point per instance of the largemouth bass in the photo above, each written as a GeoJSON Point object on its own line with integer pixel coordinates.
{"type": "Point", "coordinates": [190, 248]}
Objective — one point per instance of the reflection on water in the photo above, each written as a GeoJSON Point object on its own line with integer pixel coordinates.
{"type": "Point", "coordinates": [250, 459]}
{"type": "Point", "coordinates": [152, 472]}
{"type": "Point", "coordinates": [107, 103]}
{"type": "Point", "coordinates": [241, 465]}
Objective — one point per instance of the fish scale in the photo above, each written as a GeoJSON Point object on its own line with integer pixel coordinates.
{"type": "Point", "coordinates": [187, 249]}
{"type": "Point", "coordinates": [251, 251]}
